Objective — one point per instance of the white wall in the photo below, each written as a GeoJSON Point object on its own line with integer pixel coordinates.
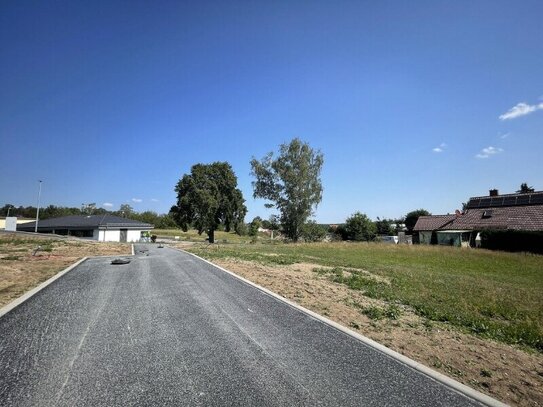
{"type": "Point", "coordinates": [133, 236]}
{"type": "Point", "coordinates": [115, 235]}
{"type": "Point", "coordinates": [109, 235]}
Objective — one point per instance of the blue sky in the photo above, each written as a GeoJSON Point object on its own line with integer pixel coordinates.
{"type": "Point", "coordinates": [413, 104]}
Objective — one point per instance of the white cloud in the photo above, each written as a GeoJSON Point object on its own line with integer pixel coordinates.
{"type": "Point", "coordinates": [154, 200]}
{"type": "Point", "coordinates": [137, 200]}
{"type": "Point", "coordinates": [488, 151]}
{"type": "Point", "coordinates": [107, 205]}
{"type": "Point", "coordinates": [504, 136]}
{"type": "Point", "coordinates": [521, 109]}
{"type": "Point", "coordinates": [440, 148]}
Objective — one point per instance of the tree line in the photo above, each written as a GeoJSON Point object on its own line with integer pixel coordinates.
{"type": "Point", "coordinates": [160, 221]}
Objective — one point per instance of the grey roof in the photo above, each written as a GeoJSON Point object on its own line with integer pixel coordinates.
{"type": "Point", "coordinates": [86, 222]}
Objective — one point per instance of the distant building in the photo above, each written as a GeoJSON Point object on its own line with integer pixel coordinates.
{"type": "Point", "coordinates": [19, 222]}
{"type": "Point", "coordinates": [105, 228]}
{"type": "Point", "coordinates": [510, 212]}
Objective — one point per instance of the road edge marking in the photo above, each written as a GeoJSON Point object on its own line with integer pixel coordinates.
{"type": "Point", "coordinates": [18, 301]}
{"type": "Point", "coordinates": [439, 377]}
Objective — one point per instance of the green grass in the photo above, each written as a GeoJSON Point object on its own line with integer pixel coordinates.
{"type": "Point", "coordinates": [193, 236]}
{"type": "Point", "coordinates": [491, 294]}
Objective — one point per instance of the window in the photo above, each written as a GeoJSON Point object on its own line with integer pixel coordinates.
{"type": "Point", "coordinates": [81, 233]}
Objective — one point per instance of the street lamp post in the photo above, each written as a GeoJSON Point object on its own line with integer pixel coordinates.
{"type": "Point", "coordinates": [38, 210]}
{"type": "Point", "coordinates": [9, 208]}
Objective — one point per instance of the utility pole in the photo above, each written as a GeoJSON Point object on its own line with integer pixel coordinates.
{"type": "Point", "coordinates": [38, 210]}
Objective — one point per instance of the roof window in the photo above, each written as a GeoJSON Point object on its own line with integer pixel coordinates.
{"type": "Point", "coordinates": [487, 214]}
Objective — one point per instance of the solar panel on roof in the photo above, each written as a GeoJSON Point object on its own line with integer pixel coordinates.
{"type": "Point", "coordinates": [523, 199]}
{"type": "Point", "coordinates": [505, 200]}
{"type": "Point", "coordinates": [496, 201]}
{"type": "Point", "coordinates": [509, 200]}
{"type": "Point", "coordinates": [485, 202]}
{"type": "Point", "coordinates": [536, 199]}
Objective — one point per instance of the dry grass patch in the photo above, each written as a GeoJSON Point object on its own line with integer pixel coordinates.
{"type": "Point", "coordinates": [21, 271]}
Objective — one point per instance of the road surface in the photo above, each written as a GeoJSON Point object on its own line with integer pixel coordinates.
{"type": "Point", "coordinates": [170, 329]}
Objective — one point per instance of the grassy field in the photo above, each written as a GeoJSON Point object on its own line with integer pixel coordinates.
{"type": "Point", "coordinates": [490, 294]}
{"type": "Point", "coordinates": [193, 236]}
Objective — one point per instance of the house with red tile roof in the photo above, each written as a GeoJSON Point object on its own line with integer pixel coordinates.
{"type": "Point", "coordinates": [520, 212]}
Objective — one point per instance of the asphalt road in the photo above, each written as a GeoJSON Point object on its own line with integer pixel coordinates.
{"type": "Point", "coordinates": [169, 329]}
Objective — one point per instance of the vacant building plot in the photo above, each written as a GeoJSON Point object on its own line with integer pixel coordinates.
{"type": "Point", "coordinates": [473, 315]}
{"type": "Point", "coordinates": [26, 261]}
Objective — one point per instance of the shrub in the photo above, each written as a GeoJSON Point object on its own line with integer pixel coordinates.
{"type": "Point", "coordinates": [373, 313]}
{"type": "Point", "coordinates": [313, 232]}
{"type": "Point", "coordinates": [512, 241]}
{"type": "Point", "coordinates": [359, 227]}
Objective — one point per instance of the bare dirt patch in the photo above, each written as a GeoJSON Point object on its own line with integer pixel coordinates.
{"type": "Point", "coordinates": [504, 372]}
{"type": "Point", "coordinates": [21, 271]}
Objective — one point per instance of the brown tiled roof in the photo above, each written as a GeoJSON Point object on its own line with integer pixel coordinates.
{"type": "Point", "coordinates": [529, 218]}
{"type": "Point", "coordinates": [432, 222]}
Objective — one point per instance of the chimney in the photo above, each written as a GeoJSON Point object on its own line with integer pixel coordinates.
{"type": "Point", "coordinates": [493, 192]}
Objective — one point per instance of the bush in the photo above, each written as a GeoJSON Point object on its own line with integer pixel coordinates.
{"type": "Point", "coordinates": [241, 228]}
{"type": "Point", "coordinates": [359, 227]}
{"type": "Point", "coordinates": [338, 233]}
{"type": "Point", "coordinates": [254, 225]}
{"type": "Point", "coordinates": [512, 241]}
{"type": "Point", "coordinates": [313, 232]}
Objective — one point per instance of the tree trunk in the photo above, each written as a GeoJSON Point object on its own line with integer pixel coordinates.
{"type": "Point", "coordinates": [211, 235]}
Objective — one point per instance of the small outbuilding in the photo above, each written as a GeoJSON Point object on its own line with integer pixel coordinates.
{"type": "Point", "coordinates": [104, 228]}
{"type": "Point", "coordinates": [427, 225]}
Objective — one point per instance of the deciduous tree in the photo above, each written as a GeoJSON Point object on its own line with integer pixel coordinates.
{"type": "Point", "coordinates": [384, 226]}
{"type": "Point", "coordinates": [208, 197]}
{"type": "Point", "coordinates": [291, 182]}
{"type": "Point", "coordinates": [525, 189]}
{"type": "Point", "coordinates": [412, 217]}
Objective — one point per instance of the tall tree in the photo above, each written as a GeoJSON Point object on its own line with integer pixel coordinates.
{"type": "Point", "coordinates": [125, 210]}
{"type": "Point", "coordinates": [291, 182]}
{"type": "Point", "coordinates": [209, 197]}
{"type": "Point", "coordinates": [525, 189]}
{"type": "Point", "coordinates": [412, 217]}
{"type": "Point", "coordinates": [88, 209]}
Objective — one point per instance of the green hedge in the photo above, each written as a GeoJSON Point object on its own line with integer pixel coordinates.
{"type": "Point", "coordinates": [512, 241]}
